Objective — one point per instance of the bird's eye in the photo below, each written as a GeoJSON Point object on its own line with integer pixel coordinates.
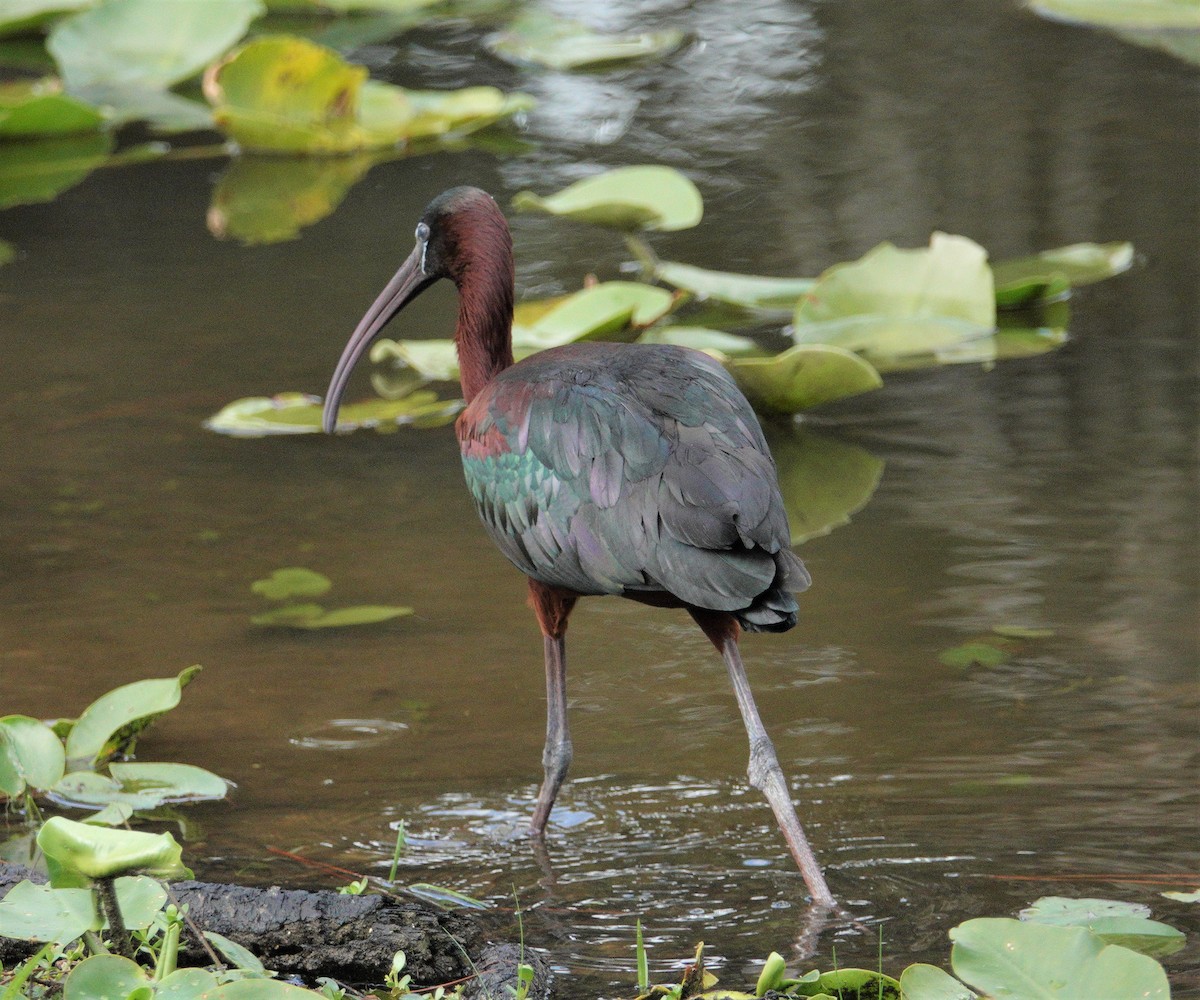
{"type": "Point", "coordinates": [422, 232]}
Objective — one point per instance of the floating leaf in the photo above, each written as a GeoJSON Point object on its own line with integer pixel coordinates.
{"type": "Point", "coordinates": [1052, 273]}
{"type": "Point", "coordinates": [113, 814]}
{"type": "Point", "coordinates": [894, 303]}
{"type": "Point", "coordinates": [31, 912]}
{"type": "Point", "coordinates": [928, 982]}
{"type": "Point", "coordinates": [262, 199]}
{"type": "Point", "coordinates": [541, 39]}
{"type": "Point", "coordinates": [32, 750]}
{"type": "Point", "coordinates": [20, 16]}
{"type": "Point", "coordinates": [34, 172]}
{"type": "Point", "coordinates": [92, 790]}
{"type": "Point", "coordinates": [642, 197]}
{"type": "Point", "coordinates": [40, 108]}
{"type": "Point", "coordinates": [750, 291]}
{"type": "Point", "coordinates": [1003, 957]}
{"type": "Point", "coordinates": [281, 93]}
{"type": "Point", "coordinates": [1183, 897]}
{"type": "Point", "coordinates": [113, 720]}
{"type": "Point", "coordinates": [1023, 632]}
{"type": "Point", "coordinates": [824, 481]}
{"type": "Point", "coordinates": [594, 313]}
{"type": "Point", "coordinates": [854, 984]}
{"type": "Point", "coordinates": [802, 377]}
{"type": "Point", "coordinates": [292, 581]}
{"type": "Point", "coordinates": [153, 44]}
{"type": "Point", "coordinates": [238, 955]}
{"type": "Point", "coordinates": [435, 360]}
{"type": "Point", "coordinates": [1144, 14]}
{"type": "Point", "coordinates": [974, 654]}
{"type": "Point", "coordinates": [77, 853]}
{"type": "Point", "coordinates": [1113, 921]}
{"type": "Point", "coordinates": [170, 782]}
{"type": "Point", "coordinates": [106, 976]}
{"type": "Point", "coordinates": [8, 253]}
{"type": "Point", "coordinates": [298, 413]}
{"type": "Point", "coordinates": [310, 616]}
{"type": "Point", "coordinates": [163, 110]}
{"type": "Point", "coordinates": [701, 338]}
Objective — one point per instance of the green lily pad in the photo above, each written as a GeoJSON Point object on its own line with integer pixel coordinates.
{"type": "Point", "coordinates": [749, 291]}
{"type": "Point", "coordinates": [163, 110]}
{"type": "Point", "coordinates": [540, 39]}
{"type": "Point", "coordinates": [260, 989]}
{"type": "Point", "coordinates": [597, 312]}
{"type": "Point", "coordinates": [1023, 632]}
{"type": "Point", "coordinates": [32, 912]}
{"type": "Point", "coordinates": [312, 616]}
{"type": "Point", "coordinates": [8, 253]}
{"type": "Point", "coordinates": [281, 93]}
{"type": "Point", "coordinates": [35, 172]}
{"type": "Point", "coordinates": [92, 790]}
{"type": "Point", "coordinates": [852, 984]}
{"type": "Point", "coordinates": [1145, 14]}
{"type": "Point", "coordinates": [21, 16]}
{"type": "Point", "coordinates": [77, 853]}
{"type": "Point", "coordinates": [802, 377]}
{"type": "Point", "coordinates": [974, 654]}
{"type": "Point", "coordinates": [112, 722]}
{"type": "Point", "coordinates": [106, 977]}
{"type": "Point", "coordinates": [40, 108]}
{"type": "Point", "coordinates": [299, 413]}
{"type": "Point", "coordinates": [1008, 958]}
{"type": "Point", "coordinates": [1183, 897]}
{"type": "Point", "coordinates": [632, 198]}
{"type": "Point", "coordinates": [444, 897]}
{"type": "Point", "coordinates": [1052, 273]}
{"type": "Point", "coordinates": [1113, 921]}
{"type": "Point", "coordinates": [269, 199]}
{"type": "Point", "coordinates": [435, 360]}
{"type": "Point", "coordinates": [824, 481]}
{"type": "Point", "coordinates": [928, 982]}
{"type": "Point", "coordinates": [170, 782]}
{"type": "Point", "coordinates": [292, 581]}
{"type": "Point", "coordinates": [31, 755]}
{"type": "Point", "coordinates": [701, 338]}
{"type": "Point", "coordinates": [237, 955]}
{"type": "Point", "coordinates": [187, 984]}
{"type": "Point", "coordinates": [113, 814]}
{"type": "Point", "coordinates": [894, 303]}
{"type": "Point", "coordinates": [153, 44]}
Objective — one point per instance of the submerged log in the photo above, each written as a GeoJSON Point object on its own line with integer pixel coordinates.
{"type": "Point", "coordinates": [352, 939]}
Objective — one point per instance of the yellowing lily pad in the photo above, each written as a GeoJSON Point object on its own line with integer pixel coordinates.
{"type": "Point", "coordinates": [540, 39]}
{"type": "Point", "coordinates": [750, 291]}
{"type": "Point", "coordinates": [40, 108]}
{"type": "Point", "coordinates": [802, 377]}
{"type": "Point", "coordinates": [280, 93]}
{"type": "Point", "coordinates": [152, 44]}
{"type": "Point", "coordinates": [299, 413]}
{"type": "Point", "coordinates": [632, 198]}
{"type": "Point", "coordinates": [597, 312]}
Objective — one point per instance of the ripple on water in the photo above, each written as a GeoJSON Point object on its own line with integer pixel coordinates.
{"type": "Point", "coordinates": [349, 734]}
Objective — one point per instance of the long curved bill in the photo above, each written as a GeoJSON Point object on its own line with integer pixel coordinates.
{"type": "Point", "coordinates": [405, 286]}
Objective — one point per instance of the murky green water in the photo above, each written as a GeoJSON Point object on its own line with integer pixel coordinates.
{"type": "Point", "coordinates": [1059, 492]}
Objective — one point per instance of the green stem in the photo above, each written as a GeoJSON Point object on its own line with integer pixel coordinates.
{"type": "Point", "coordinates": [643, 253]}
{"type": "Point", "coordinates": [106, 891]}
{"type": "Point", "coordinates": [168, 956]}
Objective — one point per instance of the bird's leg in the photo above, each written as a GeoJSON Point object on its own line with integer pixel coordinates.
{"type": "Point", "coordinates": [552, 607]}
{"type": "Point", "coordinates": [764, 771]}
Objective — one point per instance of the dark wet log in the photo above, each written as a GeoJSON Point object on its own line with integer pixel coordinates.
{"type": "Point", "coordinates": [322, 933]}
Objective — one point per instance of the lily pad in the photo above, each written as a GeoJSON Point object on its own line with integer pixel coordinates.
{"type": "Point", "coordinates": [632, 198]}
{"type": "Point", "coordinates": [163, 110]}
{"type": "Point", "coordinates": [802, 377]}
{"type": "Point", "coordinates": [40, 108]}
{"type": "Point", "coordinates": [894, 303]}
{"type": "Point", "coordinates": [8, 253]}
{"type": "Point", "coordinates": [1113, 921]}
{"type": "Point", "coordinates": [824, 481]}
{"type": "Point", "coordinates": [974, 654]}
{"type": "Point", "coordinates": [312, 616]}
{"type": "Point", "coordinates": [540, 39]}
{"type": "Point", "coordinates": [853, 984]}
{"type": "Point", "coordinates": [1052, 273]}
{"type": "Point", "coordinates": [77, 853]}
{"type": "Point", "coordinates": [1143, 14]}
{"type": "Point", "coordinates": [31, 755]}
{"type": "Point", "coordinates": [749, 291]}
{"type": "Point", "coordinates": [1183, 897]}
{"type": "Point", "coordinates": [1008, 958]}
{"type": "Point", "coordinates": [153, 44]}
{"type": "Point", "coordinates": [928, 982]}
{"type": "Point", "coordinates": [35, 172]}
{"type": "Point", "coordinates": [299, 413]}
{"type": "Point", "coordinates": [281, 93]}
{"type": "Point", "coordinates": [292, 581]}
{"type": "Point", "coordinates": [112, 722]}
{"type": "Point", "coordinates": [701, 338]}
{"type": "Point", "coordinates": [31, 912]}
{"type": "Point", "coordinates": [597, 312]}
{"type": "Point", "coordinates": [170, 782]}
{"type": "Point", "coordinates": [21, 16]}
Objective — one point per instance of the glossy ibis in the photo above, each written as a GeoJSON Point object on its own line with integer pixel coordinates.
{"type": "Point", "coordinates": [635, 470]}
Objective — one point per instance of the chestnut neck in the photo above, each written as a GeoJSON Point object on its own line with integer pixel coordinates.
{"type": "Point", "coordinates": [485, 301]}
